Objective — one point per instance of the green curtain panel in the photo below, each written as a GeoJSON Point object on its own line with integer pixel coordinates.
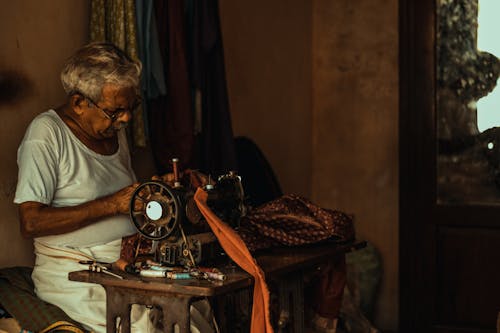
{"type": "Point", "coordinates": [114, 21]}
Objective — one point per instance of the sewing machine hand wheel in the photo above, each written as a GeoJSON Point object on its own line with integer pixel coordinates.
{"type": "Point", "coordinates": [155, 210]}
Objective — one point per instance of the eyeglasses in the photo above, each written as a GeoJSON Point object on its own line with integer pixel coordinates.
{"type": "Point", "coordinates": [116, 113]}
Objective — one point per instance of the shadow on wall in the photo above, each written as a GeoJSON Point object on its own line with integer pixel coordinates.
{"type": "Point", "coordinates": [14, 86]}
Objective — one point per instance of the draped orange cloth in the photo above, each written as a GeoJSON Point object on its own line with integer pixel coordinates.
{"type": "Point", "coordinates": [239, 253]}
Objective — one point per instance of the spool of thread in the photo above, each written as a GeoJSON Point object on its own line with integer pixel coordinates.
{"type": "Point", "coordinates": [161, 268]}
{"type": "Point", "coordinates": [175, 167]}
{"type": "Point", "coordinates": [124, 266]}
{"type": "Point", "coordinates": [152, 263]}
{"type": "Point", "coordinates": [152, 273]}
{"type": "Point", "coordinates": [178, 276]}
{"type": "Point", "coordinates": [216, 276]}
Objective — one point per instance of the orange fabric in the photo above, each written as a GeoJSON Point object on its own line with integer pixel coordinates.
{"type": "Point", "coordinates": [239, 253]}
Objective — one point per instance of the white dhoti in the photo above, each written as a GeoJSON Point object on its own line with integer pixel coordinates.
{"type": "Point", "coordinates": [86, 302]}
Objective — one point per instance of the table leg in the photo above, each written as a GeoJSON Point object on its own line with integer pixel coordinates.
{"type": "Point", "coordinates": [176, 310]}
{"type": "Point", "coordinates": [291, 303]}
{"type": "Point", "coordinates": [110, 318]}
{"type": "Point", "coordinates": [117, 306]}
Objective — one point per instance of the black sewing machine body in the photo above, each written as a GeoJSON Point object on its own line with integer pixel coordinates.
{"type": "Point", "coordinates": [169, 216]}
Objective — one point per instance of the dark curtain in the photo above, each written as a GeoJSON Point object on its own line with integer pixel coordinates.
{"type": "Point", "coordinates": [192, 122]}
{"type": "Point", "coordinates": [214, 144]}
{"type": "Point", "coordinates": [171, 116]}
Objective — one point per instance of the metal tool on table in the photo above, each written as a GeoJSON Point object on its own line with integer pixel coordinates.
{"type": "Point", "coordinates": [98, 267]}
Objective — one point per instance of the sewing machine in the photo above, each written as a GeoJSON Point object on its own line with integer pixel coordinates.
{"type": "Point", "coordinates": [168, 215]}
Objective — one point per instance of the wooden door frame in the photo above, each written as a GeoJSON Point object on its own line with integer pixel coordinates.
{"type": "Point", "coordinates": [420, 218]}
{"type": "Point", "coordinates": [416, 162]}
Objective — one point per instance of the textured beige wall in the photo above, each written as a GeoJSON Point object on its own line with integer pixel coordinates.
{"type": "Point", "coordinates": [355, 126]}
{"type": "Point", "coordinates": [268, 68]}
{"type": "Point", "coordinates": [35, 38]}
{"type": "Point", "coordinates": [314, 83]}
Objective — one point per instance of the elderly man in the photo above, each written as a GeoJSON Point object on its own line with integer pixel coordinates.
{"type": "Point", "coordinates": [75, 182]}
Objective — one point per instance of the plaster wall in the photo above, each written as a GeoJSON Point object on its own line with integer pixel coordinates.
{"type": "Point", "coordinates": [314, 83]}
{"type": "Point", "coordinates": [268, 67]}
{"type": "Point", "coordinates": [355, 126]}
{"type": "Point", "coordinates": [35, 37]}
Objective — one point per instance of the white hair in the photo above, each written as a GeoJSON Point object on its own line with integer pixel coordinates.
{"type": "Point", "coordinates": [96, 64]}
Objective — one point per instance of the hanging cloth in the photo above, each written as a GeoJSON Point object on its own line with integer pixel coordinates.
{"type": "Point", "coordinates": [215, 150]}
{"type": "Point", "coordinates": [114, 21]}
{"type": "Point", "coordinates": [234, 246]}
{"type": "Point", "coordinates": [153, 76]}
{"type": "Point", "coordinates": [171, 119]}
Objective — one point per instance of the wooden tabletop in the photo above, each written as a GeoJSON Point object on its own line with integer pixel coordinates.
{"type": "Point", "coordinates": [273, 262]}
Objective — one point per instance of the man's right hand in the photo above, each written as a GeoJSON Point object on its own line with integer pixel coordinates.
{"type": "Point", "coordinates": [121, 199]}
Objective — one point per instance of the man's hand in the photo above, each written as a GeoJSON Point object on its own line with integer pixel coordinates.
{"type": "Point", "coordinates": [121, 199]}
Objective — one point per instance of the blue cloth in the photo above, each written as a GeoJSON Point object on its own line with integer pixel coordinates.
{"type": "Point", "coordinates": [153, 78]}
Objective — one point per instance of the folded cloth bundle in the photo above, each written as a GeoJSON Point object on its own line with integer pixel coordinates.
{"type": "Point", "coordinates": [293, 220]}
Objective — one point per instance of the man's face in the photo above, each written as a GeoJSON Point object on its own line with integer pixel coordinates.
{"type": "Point", "coordinates": [106, 117]}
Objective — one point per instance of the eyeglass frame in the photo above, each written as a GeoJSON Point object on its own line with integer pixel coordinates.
{"type": "Point", "coordinates": [112, 114]}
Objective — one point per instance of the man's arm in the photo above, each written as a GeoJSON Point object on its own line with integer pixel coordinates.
{"type": "Point", "coordinates": [38, 219]}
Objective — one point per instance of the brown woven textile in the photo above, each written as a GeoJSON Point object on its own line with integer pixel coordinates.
{"type": "Point", "coordinates": [17, 296]}
{"type": "Point", "coordinates": [129, 247]}
{"type": "Point", "coordinates": [292, 220]}
{"type": "Point", "coordinates": [132, 247]}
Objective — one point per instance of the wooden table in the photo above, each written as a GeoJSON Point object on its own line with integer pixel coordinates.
{"type": "Point", "coordinates": [175, 296]}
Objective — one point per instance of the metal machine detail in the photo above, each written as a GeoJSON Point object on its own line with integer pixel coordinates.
{"type": "Point", "coordinates": [169, 216]}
